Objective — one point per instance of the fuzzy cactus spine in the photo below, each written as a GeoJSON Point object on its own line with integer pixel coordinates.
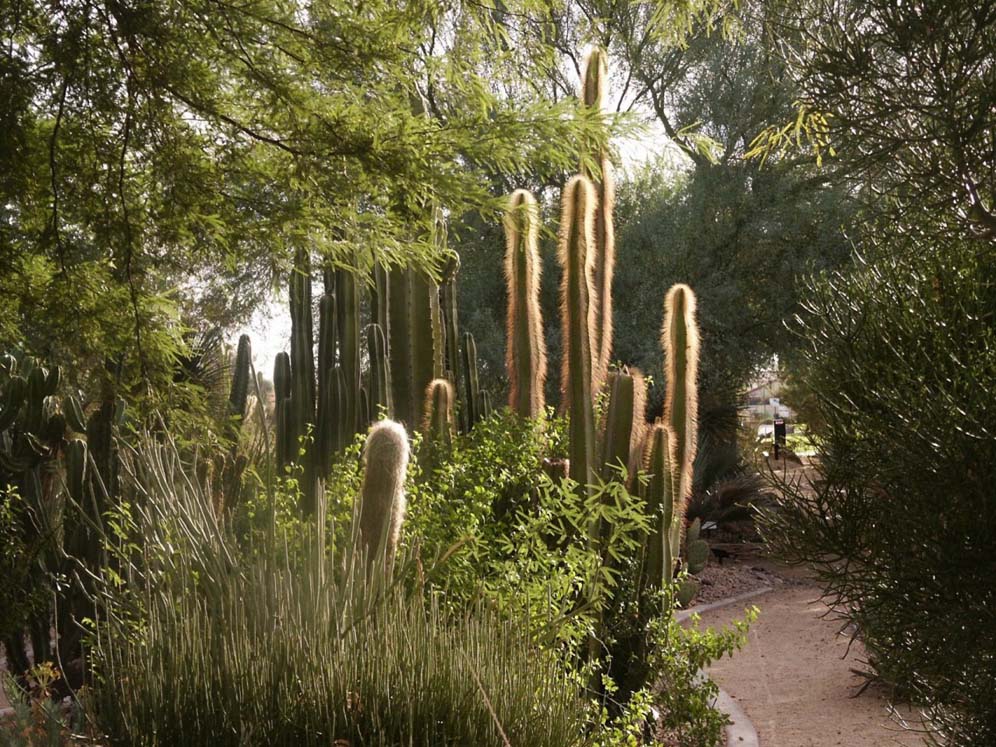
{"type": "Point", "coordinates": [603, 246]}
{"type": "Point", "coordinates": [437, 425]}
{"type": "Point", "coordinates": [382, 496]}
{"type": "Point", "coordinates": [574, 253]}
{"type": "Point", "coordinates": [525, 353]}
{"type": "Point", "coordinates": [680, 340]}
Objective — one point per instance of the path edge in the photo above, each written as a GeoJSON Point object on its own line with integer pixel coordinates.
{"type": "Point", "coordinates": [740, 732]}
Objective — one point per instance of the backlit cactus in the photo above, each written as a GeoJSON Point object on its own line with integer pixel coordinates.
{"type": "Point", "coordinates": [437, 425]}
{"type": "Point", "coordinates": [680, 340]}
{"type": "Point", "coordinates": [382, 496]}
{"type": "Point", "coordinates": [525, 355]}
{"type": "Point", "coordinates": [603, 246]}
{"type": "Point", "coordinates": [574, 252]}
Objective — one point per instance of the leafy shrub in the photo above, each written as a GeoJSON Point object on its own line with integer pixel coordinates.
{"type": "Point", "coordinates": [36, 719]}
{"type": "Point", "coordinates": [901, 521]}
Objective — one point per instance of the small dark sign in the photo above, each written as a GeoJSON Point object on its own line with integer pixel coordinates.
{"type": "Point", "coordinates": [780, 431]}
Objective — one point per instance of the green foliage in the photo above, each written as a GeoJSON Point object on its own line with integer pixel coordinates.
{"type": "Point", "coordinates": [901, 357]}
{"type": "Point", "coordinates": [325, 653]}
{"type": "Point", "coordinates": [161, 165]}
{"type": "Point", "coordinates": [680, 654]}
{"type": "Point", "coordinates": [37, 720]}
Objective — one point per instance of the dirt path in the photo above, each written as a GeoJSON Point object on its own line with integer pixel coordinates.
{"type": "Point", "coordinates": [793, 681]}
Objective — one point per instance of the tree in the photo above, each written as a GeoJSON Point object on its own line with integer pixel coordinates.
{"type": "Point", "coordinates": [160, 163]}
{"type": "Point", "coordinates": [902, 97]}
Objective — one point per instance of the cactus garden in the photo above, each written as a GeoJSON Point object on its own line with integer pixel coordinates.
{"type": "Point", "coordinates": [527, 374]}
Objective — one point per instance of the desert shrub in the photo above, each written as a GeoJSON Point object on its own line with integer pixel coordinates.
{"type": "Point", "coordinates": [900, 522]}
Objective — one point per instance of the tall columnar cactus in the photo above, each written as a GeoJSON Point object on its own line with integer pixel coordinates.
{"type": "Point", "coordinates": [285, 446]}
{"type": "Point", "coordinates": [301, 419]}
{"type": "Point", "coordinates": [380, 373]}
{"type": "Point", "coordinates": [659, 497]}
{"type": "Point", "coordinates": [525, 352]}
{"type": "Point", "coordinates": [603, 247]}
{"type": "Point", "coordinates": [473, 402]}
{"type": "Point", "coordinates": [574, 252]}
{"type": "Point", "coordinates": [622, 438]}
{"type": "Point", "coordinates": [437, 425]}
{"type": "Point", "coordinates": [348, 320]}
{"type": "Point", "coordinates": [239, 393]}
{"type": "Point", "coordinates": [416, 342]}
{"type": "Point", "coordinates": [329, 411]}
{"type": "Point", "coordinates": [451, 325]}
{"type": "Point", "coordinates": [382, 497]}
{"type": "Point", "coordinates": [680, 340]}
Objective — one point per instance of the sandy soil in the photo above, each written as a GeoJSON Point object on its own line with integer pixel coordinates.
{"type": "Point", "coordinates": [794, 677]}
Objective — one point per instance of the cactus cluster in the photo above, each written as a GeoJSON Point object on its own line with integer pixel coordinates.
{"type": "Point", "coordinates": [586, 251]}
{"type": "Point", "coordinates": [413, 342]}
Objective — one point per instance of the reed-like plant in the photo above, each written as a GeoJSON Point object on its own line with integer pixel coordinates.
{"type": "Point", "coordinates": [208, 646]}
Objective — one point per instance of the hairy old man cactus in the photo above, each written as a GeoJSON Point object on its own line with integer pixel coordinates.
{"type": "Point", "coordinates": [382, 496]}
{"type": "Point", "coordinates": [574, 252]}
{"type": "Point", "coordinates": [525, 355]}
{"type": "Point", "coordinates": [603, 249]}
{"type": "Point", "coordinates": [669, 450]}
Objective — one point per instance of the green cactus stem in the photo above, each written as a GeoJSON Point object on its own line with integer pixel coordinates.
{"type": "Point", "coordinates": [328, 411]}
{"type": "Point", "coordinates": [437, 425]}
{"type": "Point", "coordinates": [658, 494]}
{"type": "Point", "coordinates": [525, 351]}
{"type": "Point", "coordinates": [285, 440]}
{"type": "Point", "coordinates": [574, 253]}
{"type": "Point", "coordinates": [472, 399]}
{"type": "Point", "coordinates": [380, 373]}
{"type": "Point", "coordinates": [603, 247]}
{"type": "Point", "coordinates": [451, 327]}
{"type": "Point", "coordinates": [347, 299]}
{"type": "Point", "coordinates": [415, 345]}
{"type": "Point", "coordinates": [382, 496]}
{"type": "Point", "coordinates": [680, 340]}
{"type": "Point", "coordinates": [239, 393]}
{"type": "Point", "coordinates": [622, 436]}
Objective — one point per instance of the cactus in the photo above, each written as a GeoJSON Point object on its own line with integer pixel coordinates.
{"type": "Point", "coordinates": [380, 373]}
{"type": "Point", "coordinates": [451, 327]}
{"type": "Point", "coordinates": [328, 410]}
{"type": "Point", "coordinates": [525, 352]}
{"type": "Point", "coordinates": [624, 423]}
{"type": "Point", "coordinates": [437, 425]}
{"type": "Point", "coordinates": [659, 497]}
{"type": "Point", "coordinates": [382, 496]}
{"type": "Point", "coordinates": [696, 550]}
{"type": "Point", "coordinates": [415, 345]}
{"type": "Point", "coordinates": [239, 393]}
{"type": "Point", "coordinates": [281, 403]}
{"type": "Point", "coordinates": [603, 247]}
{"type": "Point", "coordinates": [472, 390]}
{"type": "Point", "coordinates": [574, 253]}
{"type": "Point", "coordinates": [347, 301]}
{"type": "Point", "coordinates": [680, 340]}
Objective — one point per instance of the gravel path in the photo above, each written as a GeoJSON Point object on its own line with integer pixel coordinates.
{"type": "Point", "coordinates": [794, 678]}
